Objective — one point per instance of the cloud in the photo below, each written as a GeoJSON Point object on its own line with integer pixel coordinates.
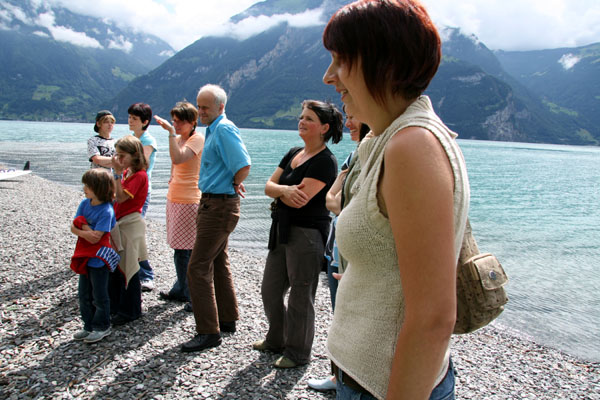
{"type": "Point", "coordinates": [166, 53]}
{"type": "Point", "coordinates": [46, 19]}
{"type": "Point", "coordinates": [499, 24]}
{"type": "Point", "coordinates": [64, 34]}
{"type": "Point", "coordinates": [36, 3]}
{"type": "Point", "coordinates": [307, 18]}
{"type": "Point", "coordinates": [522, 24]}
{"type": "Point", "coordinates": [253, 25]}
{"type": "Point", "coordinates": [120, 43]}
{"type": "Point", "coordinates": [182, 22]}
{"type": "Point", "coordinates": [5, 16]}
{"type": "Point", "coordinates": [41, 34]}
{"type": "Point", "coordinates": [11, 12]}
{"type": "Point", "coordinates": [178, 22]}
{"type": "Point", "coordinates": [568, 61]}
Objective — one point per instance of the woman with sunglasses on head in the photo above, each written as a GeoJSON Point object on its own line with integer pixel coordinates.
{"type": "Point", "coordinates": [298, 233]}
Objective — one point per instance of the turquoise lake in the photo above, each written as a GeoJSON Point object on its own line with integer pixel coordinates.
{"type": "Point", "coordinates": [535, 206]}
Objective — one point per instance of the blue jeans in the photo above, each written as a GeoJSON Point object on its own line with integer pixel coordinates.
{"type": "Point", "coordinates": [94, 303]}
{"type": "Point", "coordinates": [333, 283]}
{"type": "Point", "coordinates": [443, 391]}
{"type": "Point", "coordinates": [145, 206]}
{"type": "Point", "coordinates": [146, 272]}
{"type": "Point", "coordinates": [180, 287]}
{"type": "Point", "coordinates": [332, 257]}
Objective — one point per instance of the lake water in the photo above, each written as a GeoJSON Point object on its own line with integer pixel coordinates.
{"type": "Point", "coordinates": [536, 207]}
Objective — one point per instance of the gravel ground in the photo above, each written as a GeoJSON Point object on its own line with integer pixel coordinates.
{"type": "Point", "coordinates": [39, 313]}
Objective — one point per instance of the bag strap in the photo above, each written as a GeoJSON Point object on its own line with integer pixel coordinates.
{"type": "Point", "coordinates": [469, 245]}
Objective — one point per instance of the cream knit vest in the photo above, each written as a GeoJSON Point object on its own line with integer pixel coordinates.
{"type": "Point", "coordinates": [370, 305]}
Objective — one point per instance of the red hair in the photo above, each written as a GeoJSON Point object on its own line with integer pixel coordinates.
{"type": "Point", "coordinates": [395, 41]}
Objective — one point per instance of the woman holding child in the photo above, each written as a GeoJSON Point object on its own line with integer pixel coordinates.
{"type": "Point", "coordinates": [183, 197]}
{"type": "Point", "coordinates": [403, 229]}
{"type": "Point", "coordinates": [298, 234]}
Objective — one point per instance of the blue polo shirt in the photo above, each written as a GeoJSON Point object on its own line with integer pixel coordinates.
{"type": "Point", "coordinates": [149, 140]}
{"type": "Point", "coordinates": [224, 154]}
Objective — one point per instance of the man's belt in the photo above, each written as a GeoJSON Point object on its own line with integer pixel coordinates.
{"type": "Point", "coordinates": [219, 196]}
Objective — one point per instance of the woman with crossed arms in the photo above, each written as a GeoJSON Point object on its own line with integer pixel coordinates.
{"type": "Point", "coordinates": [298, 234]}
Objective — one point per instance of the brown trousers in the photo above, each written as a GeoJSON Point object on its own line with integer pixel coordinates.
{"type": "Point", "coordinates": [294, 266]}
{"type": "Point", "coordinates": [209, 278]}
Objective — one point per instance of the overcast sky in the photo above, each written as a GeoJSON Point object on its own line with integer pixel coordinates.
{"type": "Point", "coordinates": [499, 24]}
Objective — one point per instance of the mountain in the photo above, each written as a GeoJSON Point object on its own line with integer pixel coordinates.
{"type": "Point", "coordinates": [474, 94]}
{"type": "Point", "coordinates": [57, 65]}
{"type": "Point", "coordinates": [268, 75]}
{"type": "Point", "coordinates": [270, 8]}
{"type": "Point", "coordinates": [565, 79]}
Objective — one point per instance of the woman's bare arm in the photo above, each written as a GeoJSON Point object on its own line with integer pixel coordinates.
{"type": "Point", "coordinates": [417, 188]}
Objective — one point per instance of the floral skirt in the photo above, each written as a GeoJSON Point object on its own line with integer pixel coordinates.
{"type": "Point", "coordinates": [181, 225]}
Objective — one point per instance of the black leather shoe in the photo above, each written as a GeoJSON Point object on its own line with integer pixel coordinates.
{"type": "Point", "coordinates": [188, 307]}
{"type": "Point", "coordinates": [169, 297]}
{"type": "Point", "coordinates": [202, 342]}
{"type": "Point", "coordinates": [227, 326]}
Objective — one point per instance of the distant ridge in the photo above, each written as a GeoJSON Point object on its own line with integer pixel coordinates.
{"type": "Point", "coordinates": [268, 75]}
{"type": "Point", "coordinates": [65, 78]}
{"type": "Point", "coordinates": [545, 96]}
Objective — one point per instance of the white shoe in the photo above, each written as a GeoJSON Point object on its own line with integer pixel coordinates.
{"type": "Point", "coordinates": [147, 285]}
{"type": "Point", "coordinates": [96, 336]}
{"type": "Point", "coordinates": [322, 385]}
{"type": "Point", "coordinates": [82, 334]}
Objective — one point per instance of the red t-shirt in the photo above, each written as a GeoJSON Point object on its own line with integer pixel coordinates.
{"type": "Point", "coordinates": [136, 186]}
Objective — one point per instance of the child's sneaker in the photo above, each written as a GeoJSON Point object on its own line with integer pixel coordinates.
{"type": "Point", "coordinates": [147, 285]}
{"type": "Point", "coordinates": [82, 334]}
{"type": "Point", "coordinates": [96, 336]}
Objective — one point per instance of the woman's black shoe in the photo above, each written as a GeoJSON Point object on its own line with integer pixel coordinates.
{"type": "Point", "coordinates": [169, 297]}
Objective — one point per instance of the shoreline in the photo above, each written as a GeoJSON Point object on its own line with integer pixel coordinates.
{"type": "Point", "coordinates": [39, 313]}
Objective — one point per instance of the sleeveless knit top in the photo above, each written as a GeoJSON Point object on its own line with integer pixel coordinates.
{"type": "Point", "coordinates": [353, 173]}
{"type": "Point", "coordinates": [370, 304]}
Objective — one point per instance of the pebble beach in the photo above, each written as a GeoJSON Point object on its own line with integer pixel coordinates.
{"type": "Point", "coordinates": [141, 360]}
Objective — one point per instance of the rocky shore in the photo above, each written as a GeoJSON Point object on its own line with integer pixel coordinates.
{"type": "Point", "coordinates": [39, 313]}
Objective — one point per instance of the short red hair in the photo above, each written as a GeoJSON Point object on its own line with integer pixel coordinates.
{"type": "Point", "coordinates": [396, 41]}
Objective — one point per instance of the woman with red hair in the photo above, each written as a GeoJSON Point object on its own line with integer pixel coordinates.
{"type": "Point", "coordinates": [402, 231]}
